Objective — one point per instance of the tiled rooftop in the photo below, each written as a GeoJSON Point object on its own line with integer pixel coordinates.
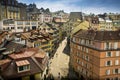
{"type": "Point", "coordinates": [98, 35]}
{"type": "Point", "coordinates": [29, 56]}
{"type": "Point", "coordinates": [22, 63]}
{"type": "Point", "coordinates": [4, 61]}
{"type": "Point", "coordinates": [24, 54]}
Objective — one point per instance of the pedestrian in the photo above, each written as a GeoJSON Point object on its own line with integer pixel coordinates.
{"type": "Point", "coordinates": [59, 73]}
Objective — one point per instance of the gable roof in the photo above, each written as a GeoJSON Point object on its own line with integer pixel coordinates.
{"type": "Point", "coordinates": [37, 64]}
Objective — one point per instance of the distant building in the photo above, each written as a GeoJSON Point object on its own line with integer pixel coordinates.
{"type": "Point", "coordinates": [29, 64]}
{"type": "Point", "coordinates": [23, 11]}
{"type": "Point", "coordinates": [18, 25]}
{"type": "Point", "coordinates": [76, 15]}
{"type": "Point", "coordinates": [60, 16]}
{"type": "Point", "coordinates": [101, 24]}
{"type": "Point", "coordinates": [116, 20]}
{"type": "Point", "coordinates": [31, 9]}
{"type": "Point", "coordinates": [95, 55]}
{"type": "Point", "coordinates": [94, 22]}
{"type": "Point", "coordinates": [42, 17]}
{"type": "Point", "coordinates": [9, 9]}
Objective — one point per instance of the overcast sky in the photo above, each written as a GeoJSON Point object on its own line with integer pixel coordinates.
{"type": "Point", "coordinates": [87, 6]}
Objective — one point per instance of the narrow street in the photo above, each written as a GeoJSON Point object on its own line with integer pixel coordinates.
{"type": "Point", "coordinates": [59, 64]}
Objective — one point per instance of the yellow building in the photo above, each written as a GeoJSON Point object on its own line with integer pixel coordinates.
{"type": "Point", "coordinates": [9, 9]}
{"type": "Point", "coordinates": [101, 24]}
{"type": "Point", "coordinates": [38, 39]}
{"type": "Point", "coordinates": [83, 25]}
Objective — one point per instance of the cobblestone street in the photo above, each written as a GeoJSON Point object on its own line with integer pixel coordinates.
{"type": "Point", "coordinates": [59, 64]}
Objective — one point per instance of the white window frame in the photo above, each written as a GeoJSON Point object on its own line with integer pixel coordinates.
{"type": "Point", "coordinates": [108, 53]}
{"type": "Point", "coordinates": [115, 45]}
{"type": "Point", "coordinates": [108, 72]}
{"type": "Point", "coordinates": [110, 63]}
{"type": "Point", "coordinates": [116, 62]}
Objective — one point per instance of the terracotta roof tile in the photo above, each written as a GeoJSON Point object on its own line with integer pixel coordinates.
{"type": "Point", "coordinates": [22, 63]}
{"type": "Point", "coordinates": [22, 55]}
{"type": "Point", "coordinates": [36, 66]}
{"type": "Point", "coordinates": [4, 61]}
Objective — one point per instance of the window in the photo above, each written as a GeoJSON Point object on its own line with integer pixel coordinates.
{"type": "Point", "coordinates": [33, 23]}
{"type": "Point", "coordinates": [117, 53]}
{"type": "Point", "coordinates": [82, 56]}
{"type": "Point", "coordinates": [86, 65]}
{"type": "Point", "coordinates": [108, 63]}
{"type": "Point", "coordinates": [27, 23]}
{"type": "Point", "coordinates": [87, 58]}
{"type": "Point", "coordinates": [12, 27]}
{"type": "Point", "coordinates": [19, 23]}
{"type": "Point", "coordinates": [86, 50]}
{"type": "Point", "coordinates": [116, 62]}
{"type": "Point", "coordinates": [107, 45]}
{"type": "Point", "coordinates": [107, 72]}
{"type": "Point", "coordinates": [108, 54]}
{"type": "Point", "coordinates": [23, 68]}
{"type": "Point", "coordinates": [115, 71]}
{"type": "Point", "coordinates": [78, 61]}
{"type": "Point", "coordinates": [82, 64]}
{"type": "Point", "coordinates": [115, 45]}
{"type": "Point", "coordinates": [78, 47]}
{"type": "Point", "coordinates": [78, 54]}
{"type": "Point", "coordinates": [19, 27]}
{"type": "Point", "coordinates": [82, 41]}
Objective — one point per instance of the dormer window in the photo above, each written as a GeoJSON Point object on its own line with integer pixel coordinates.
{"type": "Point", "coordinates": [23, 66]}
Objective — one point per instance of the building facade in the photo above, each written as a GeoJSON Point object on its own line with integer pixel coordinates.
{"type": "Point", "coordinates": [95, 55]}
{"type": "Point", "coordinates": [18, 25]}
{"type": "Point", "coordinates": [9, 9]}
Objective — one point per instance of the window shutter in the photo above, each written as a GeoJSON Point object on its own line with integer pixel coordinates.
{"type": "Point", "coordinates": [111, 62]}
{"type": "Point", "coordinates": [113, 71]}
{"type": "Point", "coordinates": [119, 70]}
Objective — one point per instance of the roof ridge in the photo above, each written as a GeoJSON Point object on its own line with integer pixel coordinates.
{"type": "Point", "coordinates": [38, 64]}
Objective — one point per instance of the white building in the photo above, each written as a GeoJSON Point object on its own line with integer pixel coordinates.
{"type": "Point", "coordinates": [18, 26]}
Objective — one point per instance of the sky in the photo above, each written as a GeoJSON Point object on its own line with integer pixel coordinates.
{"type": "Point", "coordinates": [86, 6]}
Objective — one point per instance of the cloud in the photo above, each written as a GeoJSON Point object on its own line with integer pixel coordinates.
{"type": "Point", "coordinates": [87, 6]}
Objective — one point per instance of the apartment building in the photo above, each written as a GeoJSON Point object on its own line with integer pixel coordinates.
{"type": "Point", "coordinates": [95, 55]}
{"type": "Point", "coordinates": [9, 9]}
